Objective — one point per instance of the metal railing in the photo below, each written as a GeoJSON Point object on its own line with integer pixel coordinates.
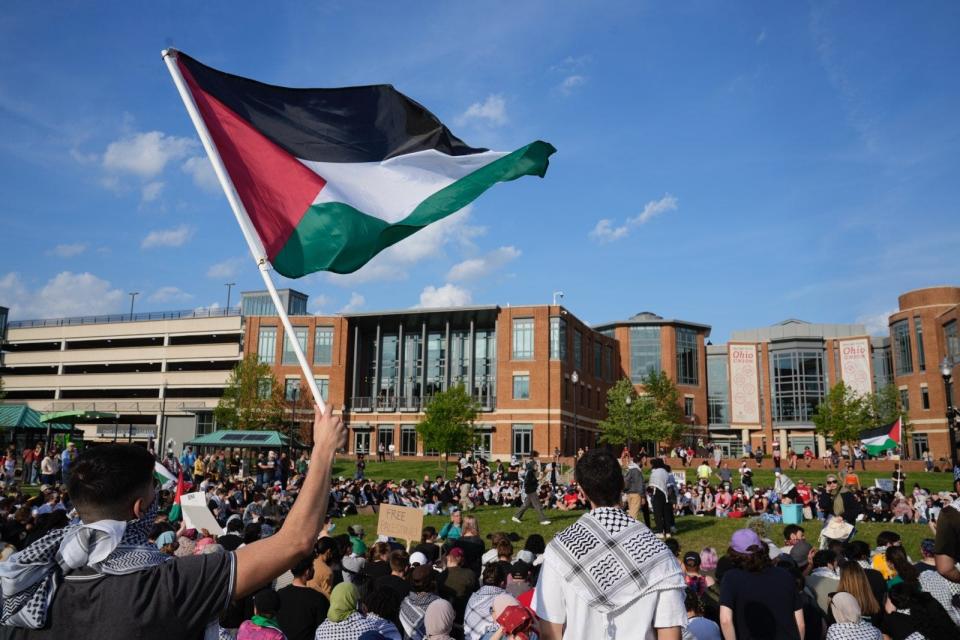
{"type": "Point", "coordinates": [126, 317]}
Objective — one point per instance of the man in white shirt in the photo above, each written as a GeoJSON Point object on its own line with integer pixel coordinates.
{"type": "Point", "coordinates": [607, 575]}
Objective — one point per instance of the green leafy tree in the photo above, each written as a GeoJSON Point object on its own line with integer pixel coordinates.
{"type": "Point", "coordinates": [447, 425]}
{"type": "Point", "coordinates": [662, 419]}
{"type": "Point", "coordinates": [253, 399]}
{"type": "Point", "coordinates": [625, 411]}
{"type": "Point", "coordinates": [842, 415]}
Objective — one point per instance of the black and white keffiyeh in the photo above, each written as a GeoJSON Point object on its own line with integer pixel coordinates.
{"type": "Point", "coordinates": [413, 609]}
{"type": "Point", "coordinates": [612, 560]}
{"type": "Point", "coordinates": [29, 578]}
{"type": "Point", "coordinates": [853, 631]}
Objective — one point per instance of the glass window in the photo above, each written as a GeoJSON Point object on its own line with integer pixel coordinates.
{"type": "Point", "coordinates": [523, 339]}
{"type": "Point", "coordinates": [687, 362]}
{"type": "Point", "coordinates": [485, 367]}
{"type": "Point", "coordinates": [412, 367]}
{"type": "Point", "coordinates": [904, 400]}
{"type": "Point", "coordinates": [323, 346]}
{"type": "Point", "coordinates": [289, 357]}
{"type": "Point", "coordinates": [264, 387]}
{"type": "Point", "coordinates": [267, 345]}
{"type": "Point", "coordinates": [408, 440]}
{"type": "Point", "coordinates": [597, 359]}
{"type": "Point", "coordinates": [578, 350]}
{"type": "Point", "coordinates": [798, 384]}
{"type": "Point", "coordinates": [558, 338]}
{"type": "Point", "coordinates": [688, 407]}
{"type": "Point", "coordinates": [323, 384]}
{"type": "Point", "coordinates": [920, 444]}
{"type": "Point", "coordinates": [718, 393]}
{"type": "Point", "coordinates": [903, 355]}
{"type": "Point", "coordinates": [952, 339]}
{"type": "Point", "coordinates": [522, 439]}
{"type": "Point", "coordinates": [644, 352]}
{"type": "Point", "coordinates": [608, 364]}
{"type": "Point", "coordinates": [460, 358]}
{"type": "Point", "coordinates": [918, 329]}
{"type": "Point", "coordinates": [361, 441]}
{"type": "Point", "coordinates": [436, 361]}
{"type": "Point", "coordinates": [882, 368]}
{"type": "Point", "coordinates": [384, 437]}
{"type": "Point", "coordinates": [925, 398]}
{"type": "Point", "coordinates": [388, 366]}
{"type": "Point", "coordinates": [291, 389]}
{"type": "Point", "coordinates": [521, 387]}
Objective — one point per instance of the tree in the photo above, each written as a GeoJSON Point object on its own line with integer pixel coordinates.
{"type": "Point", "coordinates": [625, 410]}
{"type": "Point", "coordinates": [447, 425]}
{"type": "Point", "coordinates": [253, 399]}
{"type": "Point", "coordinates": [662, 419]}
{"type": "Point", "coordinates": [842, 415]}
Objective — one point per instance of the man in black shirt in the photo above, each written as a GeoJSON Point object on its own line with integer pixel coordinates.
{"type": "Point", "coordinates": [301, 608]}
{"type": "Point", "coordinates": [531, 487]}
{"type": "Point", "coordinates": [114, 586]}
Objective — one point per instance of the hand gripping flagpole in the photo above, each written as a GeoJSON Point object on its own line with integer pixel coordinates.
{"type": "Point", "coordinates": [240, 213]}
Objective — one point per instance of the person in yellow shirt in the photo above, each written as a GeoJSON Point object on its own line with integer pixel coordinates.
{"type": "Point", "coordinates": [879, 561]}
{"type": "Point", "coordinates": [198, 469]}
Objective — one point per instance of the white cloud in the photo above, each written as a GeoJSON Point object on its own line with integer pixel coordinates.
{"type": "Point", "coordinates": [473, 268]}
{"type": "Point", "coordinates": [66, 294]}
{"type": "Point", "coordinates": [449, 295]}
{"type": "Point", "coordinates": [571, 64]}
{"type": "Point", "coordinates": [877, 323]}
{"type": "Point", "coordinates": [492, 111]}
{"type": "Point", "coordinates": [151, 191]}
{"type": "Point", "coordinates": [225, 269]}
{"type": "Point", "coordinates": [761, 36]}
{"type": "Point", "coordinates": [200, 169]}
{"type": "Point", "coordinates": [146, 154]}
{"type": "Point", "coordinates": [320, 303]}
{"type": "Point", "coordinates": [394, 263]}
{"type": "Point", "coordinates": [68, 250]}
{"type": "Point", "coordinates": [570, 84]}
{"type": "Point", "coordinates": [606, 231]}
{"type": "Point", "coordinates": [356, 302]}
{"type": "Point", "coordinates": [213, 307]}
{"type": "Point", "coordinates": [169, 294]}
{"type": "Point", "coordinates": [167, 237]}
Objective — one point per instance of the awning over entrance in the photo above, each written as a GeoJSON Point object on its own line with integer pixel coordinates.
{"type": "Point", "coordinates": [20, 416]}
{"type": "Point", "coordinates": [242, 439]}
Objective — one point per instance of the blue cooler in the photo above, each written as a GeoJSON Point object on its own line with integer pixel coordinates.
{"type": "Point", "coordinates": [792, 513]}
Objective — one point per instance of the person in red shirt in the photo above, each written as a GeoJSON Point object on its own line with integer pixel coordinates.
{"type": "Point", "coordinates": [29, 456]}
{"type": "Point", "coordinates": [808, 456]}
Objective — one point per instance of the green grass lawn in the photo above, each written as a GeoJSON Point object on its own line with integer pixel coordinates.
{"type": "Point", "coordinates": [693, 532]}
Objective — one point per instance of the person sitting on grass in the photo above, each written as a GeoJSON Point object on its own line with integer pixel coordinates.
{"type": "Point", "coordinates": [849, 623]}
{"type": "Point", "coordinates": [263, 625]}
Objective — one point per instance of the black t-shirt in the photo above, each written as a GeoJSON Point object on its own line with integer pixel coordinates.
{"type": "Point", "coordinates": [301, 611]}
{"type": "Point", "coordinates": [948, 533]}
{"type": "Point", "coordinates": [177, 599]}
{"type": "Point", "coordinates": [898, 626]}
{"type": "Point", "coordinates": [395, 583]}
{"type": "Point", "coordinates": [377, 569]}
{"type": "Point", "coordinates": [473, 549]}
{"type": "Point", "coordinates": [763, 603]}
{"type": "Point", "coordinates": [432, 551]}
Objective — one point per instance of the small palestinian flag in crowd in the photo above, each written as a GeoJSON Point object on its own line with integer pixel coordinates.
{"type": "Point", "coordinates": [880, 439]}
{"type": "Point", "coordinates": [163, 475]}
{"type": "Point", "coordinates": [331, 177]}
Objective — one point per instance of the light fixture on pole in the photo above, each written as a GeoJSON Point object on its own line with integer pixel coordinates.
{"type": "Point", "coordinates": [575, 378]}
{"type": "Point", "coordinates": [557, 295]}
{"type": "Point", "coordinates": [133, 296]}
{"type": "Point", "coordinates": [946, 370]}
{"type": "Point", "coordinates": [229, 286]}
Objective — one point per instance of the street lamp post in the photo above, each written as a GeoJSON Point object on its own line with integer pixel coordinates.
{"type": "Point", "coordinates": [575, 378]}
{"type": "Point", "coordinates": [133, 296]}
{"type": "Point", "coordinates": [293, 422]}
{"type": "Point", "coordinates": [946, 370]}
{"type": "Point", "coordinates": [229, 286]}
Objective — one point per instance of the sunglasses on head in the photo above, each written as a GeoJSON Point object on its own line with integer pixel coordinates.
{"type": "Point", "coordinates": [831, 482]}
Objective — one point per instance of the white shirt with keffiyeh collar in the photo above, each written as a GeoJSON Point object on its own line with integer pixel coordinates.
{"type": "Point", "coordinates": [641, 576]}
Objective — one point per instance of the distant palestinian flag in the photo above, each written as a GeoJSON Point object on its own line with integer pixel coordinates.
{"type": "Point", "coordinates": [182, 487]}
{"type": "Point", "coordinates": [331, 177]}
{"type": "Point", "coordinates": [166, 479]}
{"type": "Point", "coordinates": [881, 439]}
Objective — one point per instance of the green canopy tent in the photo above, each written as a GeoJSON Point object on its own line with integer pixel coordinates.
{"type": "Point", "coordinates": [78, 416]}
{"type": "Point", "coordinates": [242, 440]}
{"type": "Point", "coordinates": [20, 419]}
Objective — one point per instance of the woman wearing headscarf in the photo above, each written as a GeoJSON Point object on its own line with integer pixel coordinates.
{"type": "Point", "coordinates": [439, 620]}
{"type": "Point", "coordinates": [343, 618]}
{"type": "Point", "coordinates": [849, 624]}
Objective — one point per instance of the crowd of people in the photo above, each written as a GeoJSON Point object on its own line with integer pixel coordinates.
{"type": "Point", "coordinates": [279, 570]}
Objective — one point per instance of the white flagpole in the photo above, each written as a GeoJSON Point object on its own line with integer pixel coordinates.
{"type": "Point", "coordinates": [240, 213]}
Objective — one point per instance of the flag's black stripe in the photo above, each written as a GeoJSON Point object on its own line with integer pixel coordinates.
{"type": "Point", "coordinates": [875, 432]}
{"type": "Point", "coordinates": [350, 124]}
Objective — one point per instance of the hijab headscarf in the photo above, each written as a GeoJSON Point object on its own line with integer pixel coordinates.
{"type": "Point", "coordinates": [845, 607]}
{"type": "Point", "coordinates": [439, 620]}
{"type": "Point", "coordinates": [501, 602]}
{"type": "Point", "coordinates": [343, 602]}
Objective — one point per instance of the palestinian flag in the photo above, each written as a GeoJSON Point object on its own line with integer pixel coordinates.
{"type": "Point", "coordinates": [182, 488]}
{"type": "Point", "coordinates": [331, 177]}
{"type": "Point", "coordinates": [881, 439]}
{"type": "Point", "coordinates": [162, 475]}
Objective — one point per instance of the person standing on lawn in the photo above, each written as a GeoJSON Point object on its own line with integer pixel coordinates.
{"type": "Point", "coordinates": [531, 488]}
{"type": "Point", "coordinates": [607, 575]}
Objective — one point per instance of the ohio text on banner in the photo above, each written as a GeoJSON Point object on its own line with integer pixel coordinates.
{"type": "Point", "coordinates": [405, 523]}
{"type": "Point", "coordinates": [744, 398]}
{"type": "Point", "coordinates": [855, 365]}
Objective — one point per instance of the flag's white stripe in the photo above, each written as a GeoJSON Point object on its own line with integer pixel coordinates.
{"type": "Point", "coordinates": [876, 440]}
{"type": "Point", "coordinates": [392, 189]}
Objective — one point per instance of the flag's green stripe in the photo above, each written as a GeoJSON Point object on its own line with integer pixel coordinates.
{"type": "Point", "coordinates": [336, 237]}
{"type": "Point", "coordinates": [874, 449]}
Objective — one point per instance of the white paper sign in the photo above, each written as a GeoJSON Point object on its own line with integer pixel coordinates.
{"type": "Point", "coordinates": [196, 515]}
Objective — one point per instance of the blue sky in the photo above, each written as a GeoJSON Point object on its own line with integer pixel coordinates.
{"type": "Point", "coordinates": [728, 163]}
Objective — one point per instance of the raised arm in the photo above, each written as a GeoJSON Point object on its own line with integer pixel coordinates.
{"type": "Point", "coordinates": [264, 560]}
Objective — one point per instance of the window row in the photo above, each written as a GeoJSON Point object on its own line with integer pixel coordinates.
{"type": "Point", "coordinates": [322, 345]}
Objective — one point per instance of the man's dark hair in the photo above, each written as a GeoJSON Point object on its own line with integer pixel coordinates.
{"type": "Point", "coordinates": [423, 579]}
{"type": "Point", "coordinates": [791, 529]}
{"type": "Point", "coordinates": [598, 474]}
{"type": "Point", "coordinates": [267, 602]}
{"type": "Point", "coordinates": [823, 558]}
{"type": "Point", "coordinates": [494, 575]}
{"type": "Point", "coordinates": [303, 567]}
{"type": "Point", "coordinates": [325, 545]}
{"type": "Point", "coordinates": [252, 532]}
{"type": "Point", "coordinates": [399, 561]}
{"type": "Point", "coordinates": [383, 602]}
{"type": "Point", "coordinates": [107, 478]}
{"type": "Point", "coordinates": [887, 537]}
{"type": "Point", "coordinates": [858, 550]}
{"type": "Point", "coordinates": [235, 526]}
{"type": "Point", "coordinates": [674, 545]}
